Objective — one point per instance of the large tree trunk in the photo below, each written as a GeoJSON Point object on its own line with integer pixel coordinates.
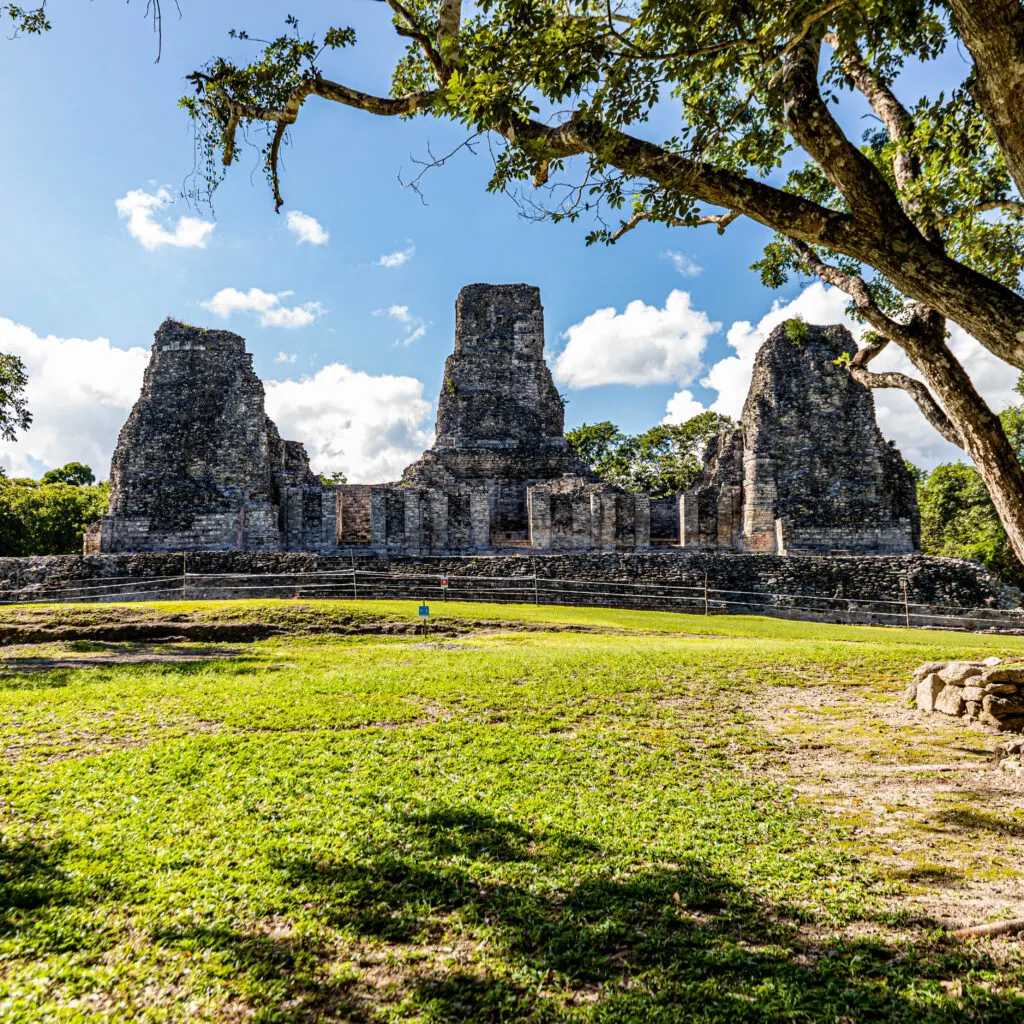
{"type": "Point", "coordinates": [993, 30]}
{"type": "Point", "coordinates": [983, 437]}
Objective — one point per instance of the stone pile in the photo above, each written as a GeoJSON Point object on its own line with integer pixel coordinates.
{"type": "Point", "coordinates": [1011, 757]}
{"type": "Point", "coordinates": [990, 692]}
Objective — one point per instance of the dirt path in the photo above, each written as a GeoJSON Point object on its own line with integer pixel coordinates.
{"type": "Point", "coordinates": [929, 802]}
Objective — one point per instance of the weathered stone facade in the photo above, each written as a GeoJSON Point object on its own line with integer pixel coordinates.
{"type": "Point", "coordinates": [200, 467]}
{"type": "Point", "coordinates": [807, 470]}
{"type": "Point", "coordinates": [500, 475]}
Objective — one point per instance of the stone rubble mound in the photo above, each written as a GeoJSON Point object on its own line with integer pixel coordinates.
{"type": "Point", "coordinates": [989, 692]}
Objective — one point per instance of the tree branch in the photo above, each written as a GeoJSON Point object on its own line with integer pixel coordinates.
{"type": "Point", "coordinates": [1007, 205]}
{"type": "Point", "coordinates": [413, 31]}
{"type": "Point", "coordinates": [720, 220]}
{"type": "Point", "coordinates": [817, 131]}
{"type": "Point", "coordinates": [884, 103]}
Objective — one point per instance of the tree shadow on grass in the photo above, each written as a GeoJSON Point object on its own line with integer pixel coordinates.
{"type": "Point", "coordinates": [568, 936]}
{"type": "Point", "coordinates": [30, 880]}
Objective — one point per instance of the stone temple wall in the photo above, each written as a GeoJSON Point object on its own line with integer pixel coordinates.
{"type": "Point", "coordinates": [807, 470]}
{"type": "Point", "coordinates": [199, 466]}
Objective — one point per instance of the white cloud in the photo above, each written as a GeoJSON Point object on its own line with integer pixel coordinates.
{"type": "Point", "coordinates": [267, 304]}
{"type": "Point", "coordinates": [284, 357]}
{"type": "Point", "coordinates": [398, 258]}
{"type": "Point", "coordinates": [682, 406]}
{"type": "Point", "coordinates": [369, 427]}
{"type": "Point", "coordinates": [79, 392]}
{"type": "Point", "coordinates": [141, 207]}
{"type": "Point", "coordinates": [415, 327]}
{"type": "Point", "coordinates": [640, 345]}
{"type": "Point", "coordinates": [306, 228]}
{"type": "Point", "coordinates": [682, 263]}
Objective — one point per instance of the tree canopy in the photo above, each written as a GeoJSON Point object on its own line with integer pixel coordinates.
{"type": "Point", "coordinates": [661, 461]}
{"type": "Point", "coordinates": [920, 220]}
{"type": "Point", "coordinates": [50, 516]}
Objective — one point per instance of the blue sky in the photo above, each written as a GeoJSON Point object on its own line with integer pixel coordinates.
{"type": "Point", "coordinates": [90, 119]}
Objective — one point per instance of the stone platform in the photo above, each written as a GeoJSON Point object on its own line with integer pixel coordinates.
{"type": "Point", "coordinates": [940, 592]}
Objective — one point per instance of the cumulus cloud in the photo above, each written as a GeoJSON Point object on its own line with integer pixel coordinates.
{"type": "Point", "coordinates": [414, 327]}
{"type": "Point", "coordinates": [682, 406]}
{"type": "Point", "coordinates": [682, 263]}
{"type": "Point", "coordinates": [398, 258]}
{"type": "Point", "coordinates": [272, 313]}
{"type": "Point", "coordinates": [141, 209]}
{"type": "Point", "coordinates": [285, 357]}
{"type": "Point", "coordinates": [641, 345]}
{"type": "Point", "coordinates": [306, 228]}
{"type": "Point", "coordinates": [79, 391]}
{"type": "Point", "coordinates": [369, 427]}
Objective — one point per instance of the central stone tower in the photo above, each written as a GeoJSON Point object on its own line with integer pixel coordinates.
{"type": "Point", "coordinates": [500, 419]}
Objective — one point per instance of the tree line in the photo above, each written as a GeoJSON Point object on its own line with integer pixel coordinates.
{"type": "Point", "coordinates": [49, 516]}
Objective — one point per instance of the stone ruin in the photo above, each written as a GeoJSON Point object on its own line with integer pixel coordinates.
{"type": "Point", "coordinates": [807, 470]}
{"type": "Point", "coordinates": [989, 693]}
{"type": "Point", "coordinates": [199, 466]}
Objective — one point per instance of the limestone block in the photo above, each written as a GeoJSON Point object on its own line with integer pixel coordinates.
{"type": "Point", "coordinates": [1002, 689]}
{"type": "Point", "coordinates": [928, 668]}
{"type": "Point", "coordinates": [1014, 723]}
{"type": "Point", "coordinates": [974, 693]}
{"type": "Point", "coordinates": [927, 690]}
{"type": "Point", "coordinates": [1002, 707]}
{"type": "Point", "coordinates": [950, 700]}
{"type": "Point", "coordinates": [991, 662]}
{"type": "Point", "coordinates": [1013, 673]}
{"type": "Point", "coordinates": [972, 708]}
{"type": "Point", "coordinates": [959, 671]}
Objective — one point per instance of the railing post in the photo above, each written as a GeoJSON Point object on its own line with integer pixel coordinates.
{"type": "Point", "coordinates": [906, 602]}
{"type": "Point", "coordinates": [705, 592]}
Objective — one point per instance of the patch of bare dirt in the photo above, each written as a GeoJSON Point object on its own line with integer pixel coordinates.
{"type": "Point", "coordinates": [928, 800]}
{"type": "Point", "coordinates": [22, 658]}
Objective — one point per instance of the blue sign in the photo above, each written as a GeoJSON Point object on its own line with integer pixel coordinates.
{"type": "Point", "coordinates": [424, 611]}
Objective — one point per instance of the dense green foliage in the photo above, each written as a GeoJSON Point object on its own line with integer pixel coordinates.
{"type": "Point", "coordinates": [74, 473]}
{"type": "Point", "coordinates": [958, 520]}
{"type": "Point", "coordinates": [14, 414]}
{"type": "Point", "coordinates": [539, 827]}
{"type": "Point", "coordinates": [661, 461]}
{"type": "Point", "coordinates": [49, 517]}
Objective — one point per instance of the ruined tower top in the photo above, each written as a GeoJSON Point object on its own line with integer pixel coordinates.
{"type": "Point", "coordinates": [815, 463]}
{"type": "Point", "coordinates": [175, 336]}
{"type": "Point", "coordinates": [498, 317]}
{"type": "Point", "coordinates": [497, 390]}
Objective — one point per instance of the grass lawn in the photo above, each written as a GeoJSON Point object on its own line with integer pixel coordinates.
{"type": "Point", "coordinates": [546, 815]}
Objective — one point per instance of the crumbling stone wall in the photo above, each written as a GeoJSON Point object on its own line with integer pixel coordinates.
{"type": "Point", "coordinates": [808, 470]}
{"type": "Point", "coordinates": [500, 420]}
{"type": "Point", "coordinates": [989, 692]}
{"type": "Point", "coordinates": [198, 464]}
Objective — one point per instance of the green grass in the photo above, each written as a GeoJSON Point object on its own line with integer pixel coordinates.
{"type": "Point", "coordinates": [531, 826]}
